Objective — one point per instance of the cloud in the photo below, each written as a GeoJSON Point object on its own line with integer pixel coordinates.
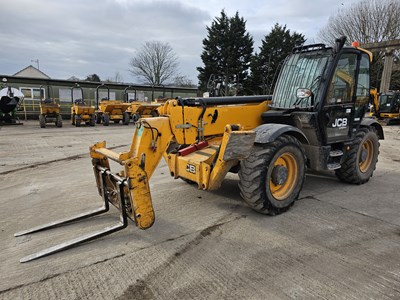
{"type": "Point", "coordinates": [72, 37]}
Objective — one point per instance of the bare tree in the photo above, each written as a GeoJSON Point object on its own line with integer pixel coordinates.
{"type": "Point", "coordinates": [116, 78]}
{"type": "Point", "coordinates": [366, 22]}
{"type": "Point", "coordinates": [182, 81]}
{"type": "Point", "coordinates": [155, 63]}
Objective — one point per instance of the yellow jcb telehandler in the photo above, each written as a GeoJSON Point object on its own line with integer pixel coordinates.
{"type": "Point", "coordinates": [315, 120]}
{"type": "Point", "coordinates": [111, 110]}
{"type": "Point", "coordinates": [49, 110]}
{"type": "Point", "coordinates": [80, 110]}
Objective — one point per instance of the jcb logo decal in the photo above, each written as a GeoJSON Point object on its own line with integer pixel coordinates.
{"type": "Point", "coordinates": [340, 122]}
{"type": "Point", "coordinates": [191, 168]}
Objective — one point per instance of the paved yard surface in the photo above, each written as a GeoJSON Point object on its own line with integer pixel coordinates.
{"type": "Point", "coordinates": [338, 241]}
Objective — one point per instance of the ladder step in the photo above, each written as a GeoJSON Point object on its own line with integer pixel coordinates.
{"type": "Point", "coordinates": [333, 166]}
{"type": "Point", "coordinates": [335, 153]}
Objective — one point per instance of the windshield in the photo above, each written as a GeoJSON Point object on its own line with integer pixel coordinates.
{"type": "Point", "coordinates": [300, 70]}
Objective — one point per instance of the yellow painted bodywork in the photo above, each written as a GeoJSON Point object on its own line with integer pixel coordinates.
{"type": "Point", "coordinates": [49, 108]}
{"type": "Point", "coordinates": [144, 109]}
{"type": "Point", "coordinates": [114, 108]}
{"type": "Point", "coordinates": [85, 112]}
{"type": "Point", "coordinates": [375, 101]}
{"type": "Point", "coordinates": [389, 115]}
{"type": "Point", "coordinates": [229, 137]}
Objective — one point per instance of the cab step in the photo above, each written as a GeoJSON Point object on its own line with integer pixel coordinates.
{"type": "Point", "coordinates": [333, 166]}
{"type": "Point", "coordinates": [335, 153]}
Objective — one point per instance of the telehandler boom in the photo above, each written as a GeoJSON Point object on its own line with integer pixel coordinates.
{"type": "Point", "coordinates": [314, 120]}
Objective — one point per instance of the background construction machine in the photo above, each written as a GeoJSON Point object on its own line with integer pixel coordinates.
{"type": "Point", "coordinates": [80, 111]}
{"type": "Point", "coordinates": [10, 100]}
{"type": "Point", "coordinates": [111, 110]}
{"type": "Point", "coordinates": [140, 109]}
{"type": "Point", "coordinates": [314, 121]}
{"type": "Point", "coordinates": [386, 107]}
{"type": "Point", "coordinates": [49, 110]}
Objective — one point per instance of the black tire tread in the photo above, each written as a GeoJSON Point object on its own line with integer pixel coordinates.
{"type": "Point", "coordinates": [42, 121]}
{"type": "Point", "coordinates": [59, 121]}
{"type": "Point", "coordinates": [347, 173]}
{"type": "Point", "coordinates": [253, 168]}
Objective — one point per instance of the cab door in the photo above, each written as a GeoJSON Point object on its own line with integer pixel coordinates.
{"type": "Point", "coordinates": [338, 110]}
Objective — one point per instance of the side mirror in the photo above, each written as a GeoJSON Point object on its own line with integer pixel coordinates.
{"type": "Point", "coordinates": [303, 93]}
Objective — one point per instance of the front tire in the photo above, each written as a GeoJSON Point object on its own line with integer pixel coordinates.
{"type": "Point", "coordinates": [135, 117]}
{"type": "Point", "coordinates": [59, 121]}
{"type": "Point", "coordinates": [272, 176]}
{"type": "Point", "coordinates": [106, 119]}
{"type": "Point", "coordinates": [92, 121]}
{"type": "Point", "coordinates": [126, 118]}
{"type": "Point", "coordinates": [78, 121]}
{"type": "Point", "coordinates": [98, 118]}
{"type": "Point", "coordinates": [42, 121]}
{"type": "Point", "coordinates": [361, 159]}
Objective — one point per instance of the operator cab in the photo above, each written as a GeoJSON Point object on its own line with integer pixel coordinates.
{"type": "Point", "coordinates": [389, 102]}
{"type": "Point", "coordinates": [322, 90]}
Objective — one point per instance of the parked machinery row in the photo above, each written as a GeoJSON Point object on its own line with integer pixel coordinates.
{"type": "Point", "coordinates": [106, 110]}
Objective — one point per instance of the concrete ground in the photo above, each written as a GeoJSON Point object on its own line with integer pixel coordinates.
{"type": "Point", "coordinates": [339, 241]}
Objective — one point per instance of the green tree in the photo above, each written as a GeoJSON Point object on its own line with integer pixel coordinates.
{"type": "Point", "coordinates": [226, 55]}
{"type": "Point", "coordinates": [266, 64]}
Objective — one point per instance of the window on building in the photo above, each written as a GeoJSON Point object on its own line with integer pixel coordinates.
{"type": "Point", "coordinates": [33, 93]}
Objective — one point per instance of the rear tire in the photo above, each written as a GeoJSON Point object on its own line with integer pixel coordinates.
{"type": "Point", "coordinates": [126, 118]}
{"type": "Point", "coordinates": [42, 121]}
{"type": "Point", "coordinates": [272, 176]}
{"type": "Point", "coordinates": [361, 159]}
{"type": "Point", "coordinates": [92, 121]}
{"type": "Point", "coordinates": [135, 117]}
{"type": "Point", "coordinates": [59, 121]}
{"type": "Point", "coordinates": [77, 121]}
{"type": "Point", "coordinates": [154, 113]}
{"type": "Point", "coordinates": [98, 118]}
{"type": "Point", "coordinates": [106, 120]}
{"type": "Point", "coordinates": [73, 119]}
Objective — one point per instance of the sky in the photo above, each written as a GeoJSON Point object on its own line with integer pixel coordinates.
{"type": "Point", "coordinates": [83, 37]}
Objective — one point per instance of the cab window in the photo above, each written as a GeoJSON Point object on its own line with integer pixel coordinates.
{"type": "Point", "coordinates": [363, 90]}
{"type": "Point", "coordinates": [341, 89]}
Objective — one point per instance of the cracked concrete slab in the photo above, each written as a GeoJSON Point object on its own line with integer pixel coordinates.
{"type": "Point", "coordinates": [337, 241]}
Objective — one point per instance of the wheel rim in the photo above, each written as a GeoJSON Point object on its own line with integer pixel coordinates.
{"type": "Point", "coordinates": [366, 155]}
{"type": "Point", "coordinates": [283, 190]}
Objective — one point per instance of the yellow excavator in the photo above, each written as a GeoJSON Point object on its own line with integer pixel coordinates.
{"type": "Point", "coordinates": [314, 120]}
{"type": "Point", "coordinates": [386, 107]}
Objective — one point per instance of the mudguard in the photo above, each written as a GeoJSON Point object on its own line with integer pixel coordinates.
{"type": "Point", "coordinates": [366, 122]}
{"type": "Point", "coordinates": [267, 133]}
